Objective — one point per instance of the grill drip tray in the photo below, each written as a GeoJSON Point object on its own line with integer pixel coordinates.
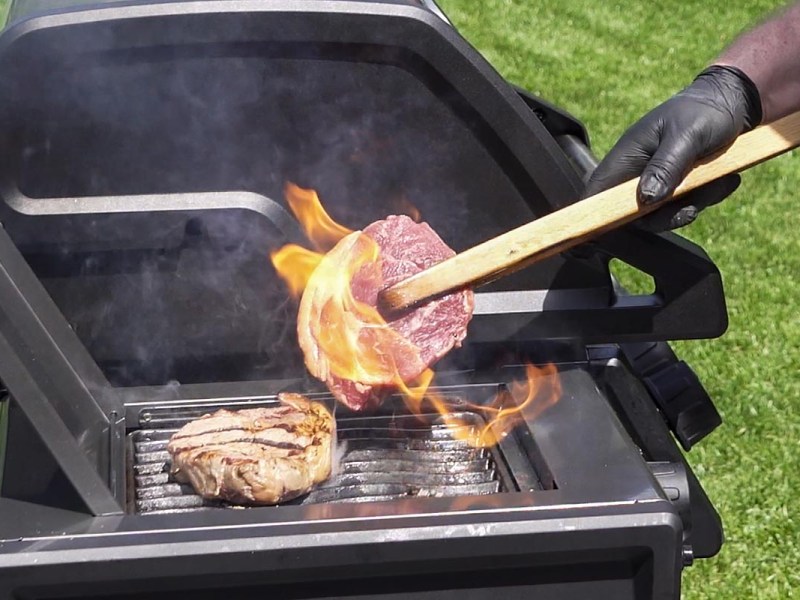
{"type": "Point", "coordinates": [380, 458]}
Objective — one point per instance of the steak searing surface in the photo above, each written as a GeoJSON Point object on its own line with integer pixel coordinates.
{"type": "Point", "coordinates": [418, 337]}
{"type": "Point", "coordinates": [256, 456]}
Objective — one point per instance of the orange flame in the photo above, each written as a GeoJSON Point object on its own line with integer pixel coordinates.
{"type": "Point", "coordinates": [404, 206]}
{"type": "Point", "coordinates": [524, 400]}
{"type": "Point", "coordinates": [317, 224]}
{"type": "Point", "coordinates": [294, 263]}
{"type": "Point", "coordinates": [350, 340]}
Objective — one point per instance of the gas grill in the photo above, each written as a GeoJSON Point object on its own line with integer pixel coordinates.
{"type": "Point", "coordinates": [146, 146]}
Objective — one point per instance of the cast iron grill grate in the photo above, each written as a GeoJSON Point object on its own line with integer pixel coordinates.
{"type": "Point", "coordinates": [380, 458]}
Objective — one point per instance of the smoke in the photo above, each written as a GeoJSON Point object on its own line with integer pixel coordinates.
{"type": "Point", "coordinates": [339, 450]}
{"type": "Point", "coordinates": [189, 295]}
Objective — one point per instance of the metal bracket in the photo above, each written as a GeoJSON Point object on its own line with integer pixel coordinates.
{"type": "Point", "coordinates": [53, 391]}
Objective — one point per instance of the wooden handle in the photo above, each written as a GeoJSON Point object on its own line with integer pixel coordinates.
{"type": "Point", "coordinates": [582, 221]}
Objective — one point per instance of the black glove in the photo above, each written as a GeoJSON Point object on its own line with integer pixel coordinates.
{"type": "Point", "coordinates": [666, 143]}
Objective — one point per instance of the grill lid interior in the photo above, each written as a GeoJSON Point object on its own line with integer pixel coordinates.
{"type": "Point", "coordinates": [122, 152]}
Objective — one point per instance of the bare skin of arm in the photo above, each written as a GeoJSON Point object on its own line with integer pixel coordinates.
{"type": "Point", "coordinates": [769, 54]}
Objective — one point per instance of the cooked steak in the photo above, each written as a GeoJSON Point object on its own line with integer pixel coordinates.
{"type": "Point", "coordinates": [256, 455]}
{"type": "Point", "coordinates": [425, 334]}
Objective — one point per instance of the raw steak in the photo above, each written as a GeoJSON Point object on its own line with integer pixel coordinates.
{"type": "Point", "coordinates": [412, 342]}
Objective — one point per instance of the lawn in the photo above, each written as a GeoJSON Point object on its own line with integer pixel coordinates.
{"type": "Point", "coordinates": [608, 63]}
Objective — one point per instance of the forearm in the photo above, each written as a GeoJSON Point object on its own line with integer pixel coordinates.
{"type": "Point", "coordinates": [769, 55]}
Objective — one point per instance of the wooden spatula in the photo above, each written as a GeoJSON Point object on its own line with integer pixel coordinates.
{"type": "Point", "coordinates": [580, 222]}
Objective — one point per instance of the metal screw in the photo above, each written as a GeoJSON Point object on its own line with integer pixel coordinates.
{"type": "Point", "coordinates": [688, 556]}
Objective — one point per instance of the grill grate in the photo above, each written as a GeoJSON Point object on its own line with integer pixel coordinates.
{"type": "Point", "coordinates": [382, 458]}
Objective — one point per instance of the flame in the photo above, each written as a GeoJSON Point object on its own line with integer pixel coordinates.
{"type": "Point", "coordinates": [350, 340]}
{"type": "Point", "coordinates": [403, 205]}
{"type": "Point", "coordinates": [355, 343]}
{"type": "Point", "coordinates": [362, 347]}
{"type": "Point", "coordinates": [294, 263]}
{"type": "Point", "coordinates": [523, 400]}
{"type": "Point", "coordinates": [317, 224]}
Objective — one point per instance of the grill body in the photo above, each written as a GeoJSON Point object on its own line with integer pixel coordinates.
{"type": "Point", "coordinates": [592, 518]}
{"type": "Point", "coordinates": [146, 147]}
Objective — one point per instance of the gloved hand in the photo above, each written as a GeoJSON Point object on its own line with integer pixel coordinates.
{"type": "Point", "coordinates": [663, 145]}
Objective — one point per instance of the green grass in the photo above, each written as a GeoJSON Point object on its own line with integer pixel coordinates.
{"type": "Point", "coordinates": [608, 63]}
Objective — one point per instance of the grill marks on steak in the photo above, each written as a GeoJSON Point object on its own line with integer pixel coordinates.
{"type": "Point", "coordinates": [427, 333]}
{"type": "Point", "coordinates": [258, 455]}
